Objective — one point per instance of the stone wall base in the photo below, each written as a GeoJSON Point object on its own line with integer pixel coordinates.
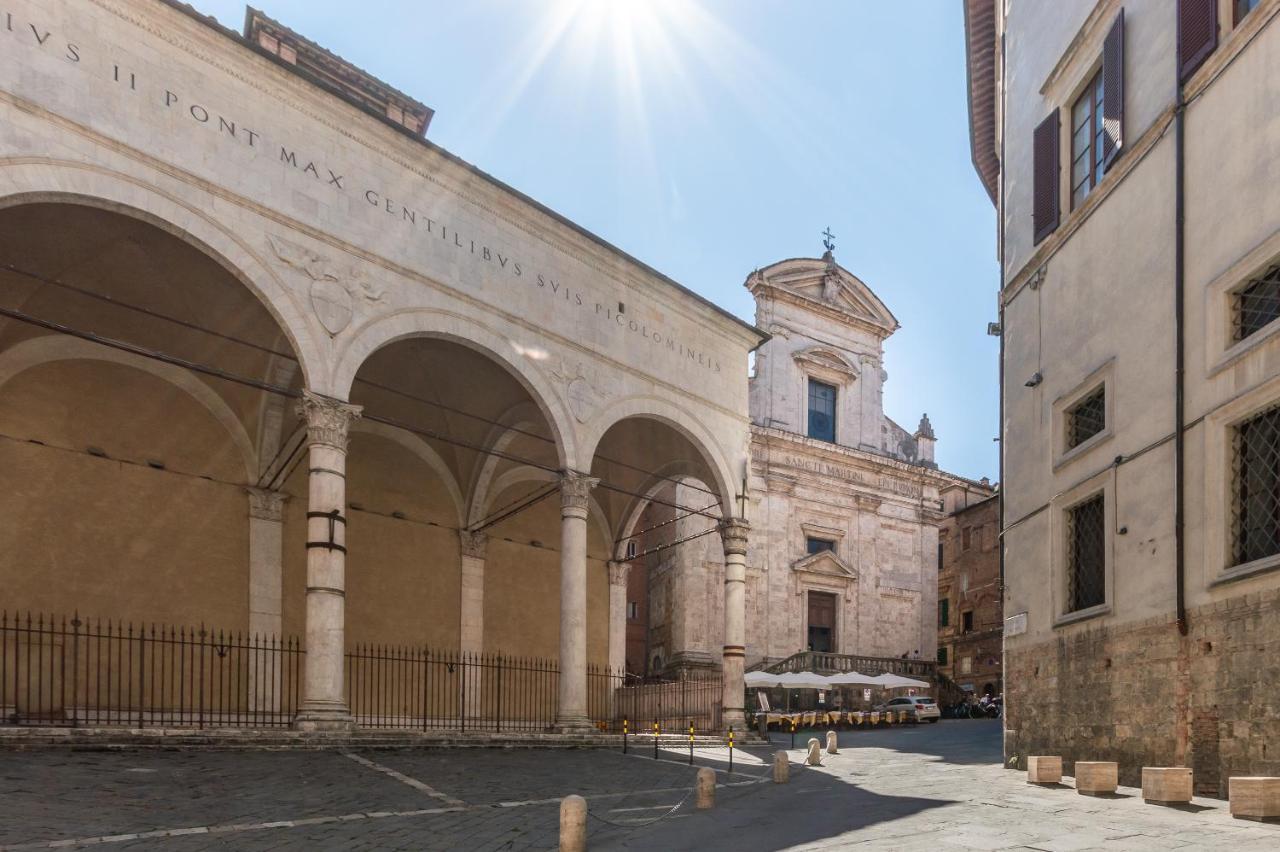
{"type": "Point", "coordinates": [1142, 695]}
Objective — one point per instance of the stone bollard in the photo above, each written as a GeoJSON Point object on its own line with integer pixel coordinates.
{"type": "Point", "coordinates": [833, 744]}
{"type": "Point", "coordinates": [1166, 785]}
{"type": "Point", "coordinates": [1096, 777]}
{"type": "Point", "coordinates": [706, 787]}
{"type": "Point", "coordinates": [1256, 797]}
{"type": "Point", "coordinates": [815, 753]}
{"type": "Point", "coordinates": [573, 824]}
{"type": "Point", "coordinates": [1044, 769]}
{"type": "Point", "coordinates": [781, 767]}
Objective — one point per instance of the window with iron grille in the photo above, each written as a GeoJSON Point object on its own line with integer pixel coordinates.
{"type": "Point", "coordinates": [822, 411]}
{"type": "Point", "coordinates": [1087, 418]}
{"type": "Point", "coordinates": [1086, 554]}
{"type": "Point", "coordinates": [1256, 304]}
{"type": "Point", "coordinates": [1255, 488]}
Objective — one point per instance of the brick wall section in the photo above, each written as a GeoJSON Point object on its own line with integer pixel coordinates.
{"type": "Point", "coordinates": [1111, 693]}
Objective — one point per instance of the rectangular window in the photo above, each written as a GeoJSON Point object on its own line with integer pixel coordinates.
{"type": "Point", "coordinates": [1255, 488]}
{"type": "Point", "coordinates": [633, 610]}
{"type": "Point", "coordinates": [1087, 418]}
{"type": "Point", "coordinates": [942, 656]}
{"type": "Point", "coordinates": [1086, 554]}
{"type": "Point", "coordinates": [939, 555]}
{"type": "Point", "coordinates": [818, 545]}
{"type": "Point", "coordinates": [1086, 141]}
{"type": "Point", "coordinates": [1256, 304]}
{"type": "Point", "coordinates": [944, 612]}
{"type": "Point", "coordinates": [1244, 7]}
{"type": "Point", "coordinates": [966, 665]}
{"type": "Point", "coordinates": [967, 618]}
{"type": "Point", "coordinates": [966, 538]}
{"type": "Point", "coordinates": [822, 411]}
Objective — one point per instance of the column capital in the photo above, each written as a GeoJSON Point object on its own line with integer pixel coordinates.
{"type": "Point", "coordinates": [733, 533]}
{"type": "Point", "coordinates": [265, 504]}
{"type": "Point", "coordinates": [618, 573]}
{"type": "Point", "coordinates": [575, 492]}
{"type": "Point", "coordinates": [473, 543]}
{"type": "Point", "coordinates": [328, 420]}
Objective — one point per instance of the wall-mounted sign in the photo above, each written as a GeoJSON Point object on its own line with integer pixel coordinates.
{"type": "Point", "coordinates": [1015, 625]}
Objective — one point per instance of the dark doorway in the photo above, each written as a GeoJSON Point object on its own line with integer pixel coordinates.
{"type": "Point", "coordinates": [822, 621]}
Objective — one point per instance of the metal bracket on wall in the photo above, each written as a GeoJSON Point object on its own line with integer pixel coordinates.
{"type": "Point", "coordinates": [335, 517]}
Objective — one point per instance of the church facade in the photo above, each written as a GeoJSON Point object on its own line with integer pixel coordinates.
{"type": "Point", "coordinates": [845, 504]}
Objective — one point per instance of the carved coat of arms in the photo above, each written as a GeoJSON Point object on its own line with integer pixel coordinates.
{"type": "Point", "coordinates": [334, 292]}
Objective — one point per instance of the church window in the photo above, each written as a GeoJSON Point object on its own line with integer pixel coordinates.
{"type": "Point", "coordinates": [822, 411]}
{"type": "Point", "coordinates": [818, 545]}
{"type": "Point", "coordinates": [1256, 304]}
{"type": "Point", "coordinates": [1086, 554]}
{"type": "Point", "coordinates": [1255, 487]}
{"type": "Point", "coordinates": [1087, 418]}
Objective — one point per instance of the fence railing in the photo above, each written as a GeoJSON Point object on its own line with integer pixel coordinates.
{"type": "Point", "coordinates": [823, 662]}
{"type": "Point", "coordinates": [69, 671]}
{"type": "Point", "coordinates": [65, 671]}
{"type": "Point", "coordinates": [694, 699]}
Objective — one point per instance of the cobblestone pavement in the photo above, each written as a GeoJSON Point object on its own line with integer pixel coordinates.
{"type": "Point", "coordinates": [932, 787]}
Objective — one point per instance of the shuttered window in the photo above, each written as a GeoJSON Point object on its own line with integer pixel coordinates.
{"type": "Point", "coordinates": [1197, 33]}
{"type": "Point", "coordinates": [1044, 189]}
{"type": "Point", "coordinates": [1113, 92]}
{"type": "Point", "coordinates": [1086, 141]}
{"type": "Point", "coordinates": [1244, 7]}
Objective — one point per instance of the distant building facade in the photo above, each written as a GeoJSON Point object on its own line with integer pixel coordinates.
{"type": "Point", "coordinates": [970, 615]}
{"type": "Point", "coordinates": [845, 504]}
{"type": "Point", "coordinates": [1131, 149]}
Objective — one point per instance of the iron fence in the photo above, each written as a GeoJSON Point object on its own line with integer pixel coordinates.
{"type": "Point", "coordinates": [63, 671]}
{"type": "Point", "coordinates": [694, 699]}
{"type": "Point", "coordinates": [60, 671]}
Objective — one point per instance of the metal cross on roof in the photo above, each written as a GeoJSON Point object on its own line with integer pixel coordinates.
{"type": "Point", "coordinates": [829, 239]}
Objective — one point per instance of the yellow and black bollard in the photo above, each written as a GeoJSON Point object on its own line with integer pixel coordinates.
{"type": "Point", "coordinates": [731, 749]}
{"type": "Point", "coordinates": [691, 744]}
{"type": "Point", "coordinates": [624, 736]}
{"type": "Point", "coordinates": [793, 731]}
{"type": "Point", "coordinates": [655, 739]}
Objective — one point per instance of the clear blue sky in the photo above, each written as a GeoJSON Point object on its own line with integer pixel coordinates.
{"type": "Point", "coordinates": [711, 137]}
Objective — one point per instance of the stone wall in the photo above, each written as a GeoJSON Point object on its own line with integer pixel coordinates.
{"type": "Point", "coordinates": [1142, 695]}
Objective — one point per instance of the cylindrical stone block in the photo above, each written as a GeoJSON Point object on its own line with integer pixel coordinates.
{"type": "Point", "coordinates": [1166, 785]}
{"type": "Point", "coordinates": [833, 743]}
{"type": "Point", "coordinates": [706, 788]}
{"type": "Point", "coordinates": [781, 767]}
{"type": "Point", "coordinates": [815, 752]}
{"type": "Point", "coordinates": [573, 824]}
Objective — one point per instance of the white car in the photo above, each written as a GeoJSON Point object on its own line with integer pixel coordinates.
{"type": "Point", "coordinates": [918, 707]}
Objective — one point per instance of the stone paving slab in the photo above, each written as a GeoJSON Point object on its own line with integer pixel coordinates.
{"type": "Point", "coordinates": [930, 788]}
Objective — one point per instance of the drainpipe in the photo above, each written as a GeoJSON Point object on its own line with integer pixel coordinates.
{"type": "Point", "coordinates": [1179, 370]}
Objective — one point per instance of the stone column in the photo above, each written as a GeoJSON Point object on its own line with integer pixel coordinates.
{"type": "Point", "coordinates": [733, 533]}
{"type": "Point", "coordinates": [571, 713]}
{"type": "Point", "coordinates": [471, 621]}
{"type": "Point", "coordinates": [266, 560]}
{"type": "Point", "coordinates": [324, 705]}
{"type": "Point", "coordinates": [618, 574]}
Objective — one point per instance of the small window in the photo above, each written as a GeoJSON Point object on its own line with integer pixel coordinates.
{"type": "Point", "coordinates": [942, 656]}
{"type": "Point", "coordinates": [819, 545]}
{"type": "Point", "coordinates": [966, 665]}
{"type": "Point", "coordinates": [1087, 418]}
{"type": "Point", "coordinates": [1256, 304]}
{"type": "Point", "coordinates": [633, 610]}
{"type": "Point", "coordinates": [1086, 141]}
{"type": "Point", "coordinates": [1255, 487]}
{"type": "Point", "coordinates": [944, 612]}
{"type": "Point", "coordinates": [631, 549]}
{"type": "Point", "coordinates": [939, 555]}
{"type": "Point", "coordinates": [1086, 555]}
{"type": "Point", "coordinates": [968, 621]}
{"type": "Point", "coordinates": [822, 411]}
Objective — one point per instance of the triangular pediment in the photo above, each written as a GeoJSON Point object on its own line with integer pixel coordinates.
{"type": "Point", "coordinates": [825, 284]}
{"type": "Point", "coordinates": [827, 563]}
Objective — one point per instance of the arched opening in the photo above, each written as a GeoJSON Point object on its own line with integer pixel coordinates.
{"type": "Point", "coordinates": [127, 468]}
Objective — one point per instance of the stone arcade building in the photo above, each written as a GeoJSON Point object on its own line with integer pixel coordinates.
{"type": "Point", "coordinates": [845, 503]}
{"type": "Point", "coordinates": [271, 361]}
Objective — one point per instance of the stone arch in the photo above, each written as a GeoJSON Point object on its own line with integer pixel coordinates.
{"type": "Point", "coordinates": [49, 349]}
{"type": "Point", "coordinates": [446, 325]}
{"type": "Point", "coordinates": [661, 479]}
{"type": "Point", "coordinates": [499, 438]}
{"type": "Point", "coordinates": [32, 180]}
{"type": "Point", "coordinates": [682, 421]}
{"type": "Point", "coordinates": [524, 473]}
{"type": "Point", "coordinates": [423, 451]}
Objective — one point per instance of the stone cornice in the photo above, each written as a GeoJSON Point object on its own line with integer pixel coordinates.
{"type": "Point", "coordinates": [854, 458]}
{"type": "Point", "coordinates": [773, 292]}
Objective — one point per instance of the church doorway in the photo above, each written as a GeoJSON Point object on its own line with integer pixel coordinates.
{"type": "Point", "coordinates": [822, 621]}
